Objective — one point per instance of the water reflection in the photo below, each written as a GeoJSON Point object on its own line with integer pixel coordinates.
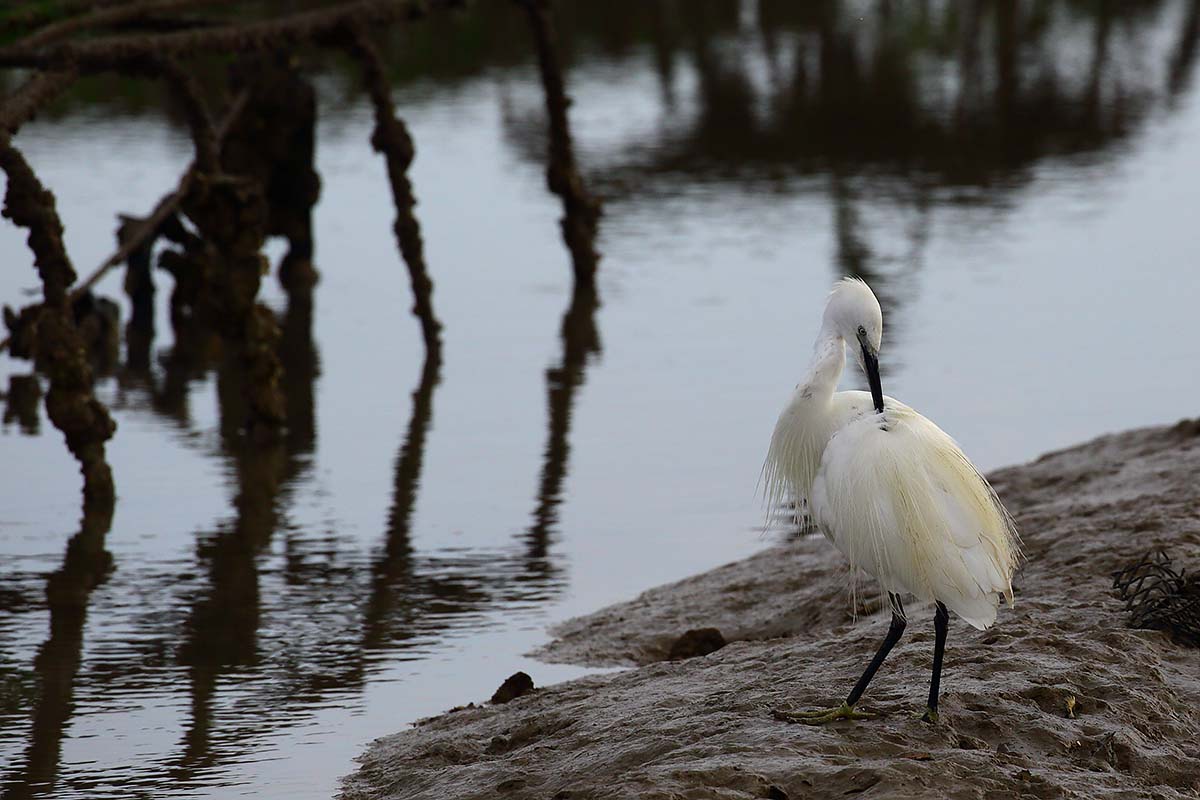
{"type": "Point", "coordinates": [968, 94]}
{"type": "Point", "coordinates": [1183, 59]}
{"type": "Point", "coordinates": [21, 403]}
{"type": "Point", "coordinates": [140, 289]}
{"type": "Point", "coordinates": [86, 565]}
{"type": "Point", "coordinates": [415, 595]}
{"type": "Point", "coordinates": [221, 631]}
{"type": "Point", "coordinates": [909, 106]}
{"type": "Point", "coordinates": [959, 95]}
{"type": "Point", "coordinates": [301, 367]}
{"type": "Point", "coordinates": [282, 640]}
{"type": "Point", "coordinates": [394, 579]}
{"type": "Point", "coordinates": [163, 388]}
{"type": "Point", "coordinates": [891, 276]}
{"type": "Point", "coordinates": [580, 339]}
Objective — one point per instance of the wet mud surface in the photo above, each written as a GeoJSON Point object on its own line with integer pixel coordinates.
{"type": "Point", "coordinates": [1059, 699]}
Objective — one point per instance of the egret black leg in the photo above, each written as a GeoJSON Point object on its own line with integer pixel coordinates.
{"type": "Point", "coordinates": [941, 623]}
{"type": "Point", "coordinates": [895, 631]}
{"type": "Point", "coordinates": [846, 710]}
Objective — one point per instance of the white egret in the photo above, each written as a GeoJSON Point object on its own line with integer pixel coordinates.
{"type": "Point", "coordinates": [891, 490]}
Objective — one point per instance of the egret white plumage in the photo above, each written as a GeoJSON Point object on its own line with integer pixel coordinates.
{"type": "Point", "coordinates": [891, 490]}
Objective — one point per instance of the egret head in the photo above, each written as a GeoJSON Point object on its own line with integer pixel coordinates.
{"type": "Point", "coordinates": [854, 314]}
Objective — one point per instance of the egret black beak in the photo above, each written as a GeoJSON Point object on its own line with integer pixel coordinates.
{"type": "Point", "coordinates": [871, 364]}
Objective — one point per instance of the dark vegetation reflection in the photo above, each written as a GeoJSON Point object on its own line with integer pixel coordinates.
{"type": "Point", "coordinates": [924, 104]}
{"type": "Point", "coordinates": [86, 565]}
{"type": "Point", "coordinates": [914, 106]}
{"type": "Point", "coordinates": [580, 340]}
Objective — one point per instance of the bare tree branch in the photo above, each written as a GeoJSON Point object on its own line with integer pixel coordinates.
{"type": "Point", "coordinates": [391, 138]}
{"type": "Point", "coordinates": [581, 211]}
{"type": "Point", "coordinates": [56, 343]}
{"type": "Point", "coordinates": [112, 52]}
{"type": "Point", "coordinates": [163, 209]}
{"type": "Point", "coordinates": [28, 204]}
{"type": "Point", "coordinates": [187, 90]}
{"type": "Point", "coordinates": [20, 106]}
{"type": "Point", "coordinates": [107, 16]}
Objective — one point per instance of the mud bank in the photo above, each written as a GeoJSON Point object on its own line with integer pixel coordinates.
{"type": "Point", "coordinates": [1059, 699]}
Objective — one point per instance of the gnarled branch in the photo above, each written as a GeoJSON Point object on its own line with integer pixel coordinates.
{"type": "Point", "coordinates": [70, 404]}
{"type": "Point", "coordinates": [391, 138]}
{"type": "Point", "coordinates": [20, 106]}
{"type": "Point", "coordinates": [147, 226]}
{"type": "Point", "coordinates": [107, 16]}
{"type": "Point", "coordinates": [111, 52]}
{"type": "Point", "coordinates": [581, 211]}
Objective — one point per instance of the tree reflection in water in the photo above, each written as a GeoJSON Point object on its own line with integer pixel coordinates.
{"type": "Point", "coordinates": [580, 339]}
{"type": "Point", "coordinates": [85, 566]}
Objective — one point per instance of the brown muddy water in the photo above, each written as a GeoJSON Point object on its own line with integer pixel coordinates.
{"type": "Point", "coordinates": [1017, 180]}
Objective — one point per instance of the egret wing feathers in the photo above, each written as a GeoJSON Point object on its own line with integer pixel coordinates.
{"type": "Point", "coordinates": [799, 439]}
{"type": "Point", "coordinates": [901, 501]}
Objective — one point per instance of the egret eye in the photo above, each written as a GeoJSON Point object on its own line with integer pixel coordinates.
{"type": "Point", "coordinates": [862, 331]}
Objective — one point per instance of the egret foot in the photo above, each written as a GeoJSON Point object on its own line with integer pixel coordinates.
{"type": "Point", "coordinates": [821, 716]}
{"type": "Point", "coordinates": [930, 716]}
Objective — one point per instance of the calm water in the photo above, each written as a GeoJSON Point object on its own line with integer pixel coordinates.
{"type": "Point", "coordinates": [1017, 180]}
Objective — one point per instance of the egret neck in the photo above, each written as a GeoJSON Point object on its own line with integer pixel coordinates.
{"type": "Point", "coordinates": [828, 361]}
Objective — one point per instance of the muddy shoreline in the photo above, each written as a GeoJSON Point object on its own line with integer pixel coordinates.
{"type": "Point", "coordinates": [1059, 699]}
